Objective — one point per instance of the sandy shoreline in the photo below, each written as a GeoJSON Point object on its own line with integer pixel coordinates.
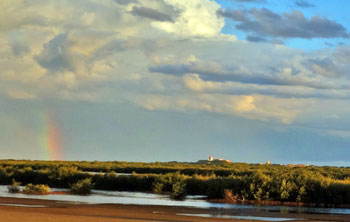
{"type": "Point", "coordinates": [77, 212]}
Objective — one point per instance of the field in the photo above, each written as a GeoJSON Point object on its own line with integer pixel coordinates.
{"type": "Point", "coordinates": [234, 182]}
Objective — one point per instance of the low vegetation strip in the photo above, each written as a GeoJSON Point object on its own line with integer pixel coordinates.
{"type": "Point", "coordinates": [36, 189]}
{"type": "Point", "coordinates": [223, 169]}
{"type": "Point", "coordinates": [320, 185]}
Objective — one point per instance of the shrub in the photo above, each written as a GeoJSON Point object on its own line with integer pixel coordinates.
{"type": "Point", "coordinates": [307, 184]}
{"type": "Point", "coordinates": [82, 186]}
{"type": "Point", "coordinates": [14, 187]}
{"type": "Point", "coordinates": [36, 189]}
{"type": "Point", "coordinates": [179, 190]}
{"type": "Point", "coordinates": [229, 196]}
{"type": "Point", "coordinates": [158, 187]}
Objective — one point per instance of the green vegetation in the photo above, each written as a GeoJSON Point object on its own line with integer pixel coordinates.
{"type": "Point", "coordinates": [179, 190]}
{"type": "Point", "coordinates": [82, 186]}
{"type": "Point", "coordinates": [36, 189]}
{"type": "Point", "coordinates": [14, 187]}
{"type": "Point", "coordinates": [175, 183]}
{"type": "Point", "coordinates": [329, 186]}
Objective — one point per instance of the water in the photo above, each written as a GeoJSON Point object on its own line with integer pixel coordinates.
{"type": "Point", "coordinates": [22, 205]}
{"type": "Point", "coordinates": [239, 217]}
{"type": "Point", "coordinates": [138, 198]}
{"type": "Point", "coordinates": [112, 197]}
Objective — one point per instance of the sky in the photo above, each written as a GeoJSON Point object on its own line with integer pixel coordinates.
{"type": "Point", "coordinates": [175, 80]}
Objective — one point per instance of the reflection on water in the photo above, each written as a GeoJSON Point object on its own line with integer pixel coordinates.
{"type": "Point", "coordinates": [113, 197]}
{"type": "Point", "coordinates": [138, 198]}
{"type": "Point", "coordinates": [239, 217]}
{"type": "Point", "coordinates": [22, 205]}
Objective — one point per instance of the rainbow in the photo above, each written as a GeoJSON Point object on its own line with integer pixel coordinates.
{"type": "Point", "coordinates": [51, 140]}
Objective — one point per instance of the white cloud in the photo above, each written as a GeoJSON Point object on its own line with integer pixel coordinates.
{"type": "Point", "coordinates": [193, 82]}
{"type": "Point", "coordinates": [197, 18]}
{"type": "Point", "coordinates": [99, 50]}
{"type": "Point", "coordinates": [246, 104]}
{"type": "Point", "coordinates": [263, 108]}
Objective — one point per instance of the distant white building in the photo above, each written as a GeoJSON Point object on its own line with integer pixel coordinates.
{"type": "Point", "coordinates": [211, 160]}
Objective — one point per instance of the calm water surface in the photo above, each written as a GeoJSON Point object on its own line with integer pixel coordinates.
{"type": "Point", "coordinates": [240, 217]}
{"type": "Point", "coordinates": [138, 198]}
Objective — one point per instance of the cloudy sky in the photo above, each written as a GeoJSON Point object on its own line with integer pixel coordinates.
{"type": "Point", "coordinates": [162, 80]}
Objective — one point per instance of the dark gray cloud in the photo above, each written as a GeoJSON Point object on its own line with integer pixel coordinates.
{"type": "Point", "coordinates": [153, 14]}
{"type": "Point", "coordinates": [303, 4]}
{"type": "Point", "coordinates": [293, 24]}
{"type": "Point", "coordinates": [236, 75]}
{"type": "Point", "coordinates": [19, 48]}
{"type": "Point", "coordinates": [237, 15]}
{"type": "Point", "coordinates": [325, 67]}
{"type": "Point", "coordinates": [342, 54]}
{"type": "Point", "coordinates": [53, 55]}
{"type": "Point", "coordinates": [255, 39]}
{"type": "Point", "coordinates": [277, 41]}
{"type": "Point", "coordinates": [252, 38]}
{"type": "Point", "coordinates": [279, 92]}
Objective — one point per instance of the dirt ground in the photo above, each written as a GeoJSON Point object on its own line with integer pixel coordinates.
{"type": "Point", "coordinates": [75, 212]}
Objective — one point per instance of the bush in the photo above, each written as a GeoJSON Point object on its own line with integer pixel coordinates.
{"type": "Point", "coordinates": [158, 187]}
{"type": "Point", "coordinates": [179, 190]}
{"type": "Point", "coordinates": [36, 189]}
{"type": "Point", "coordinates": [229, 196]}
{"type": "Point", "coordinates": [14, 187]}
{"type": "Point", "coordinates": [329, 186]}
{"type": "Point", "coordinates": [82, 186]}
